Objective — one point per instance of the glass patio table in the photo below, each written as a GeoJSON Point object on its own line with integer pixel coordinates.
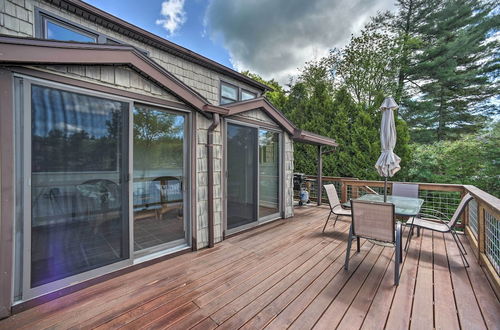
{"type": "Point", "coordinates": [403, 206]}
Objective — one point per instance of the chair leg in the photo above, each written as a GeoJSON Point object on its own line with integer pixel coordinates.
{"type": "Point", "coordinates": [408, 239]}
{"type": "Point", "coordinates": [461, 244]}
{"type": "Point", "coordinates": [348, 251]}
{"type": "Point", "coordinates": [358, 244]}
{"type": "Point", "coordinates": [336, 218]}
{"type": "Point", "coordinates": [327, 220]}
{"type": "Point", "coordinates": [464, 260]}
{"type": "Point", "coordinates": [398, 257]}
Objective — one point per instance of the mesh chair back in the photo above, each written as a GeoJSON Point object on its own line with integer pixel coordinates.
{"type": "Point", "coordinates": [373, 220]}
{"type": "Point", "coordinates": [331, 193]}
{"type": "Point", "coordinates": [405, 190]}
{"type": "Point", "coordinates": [460, 209]}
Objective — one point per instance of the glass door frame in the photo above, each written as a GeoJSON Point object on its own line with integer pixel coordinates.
{"type": "Point", "coordinates": [168, 247]}
{"type": "Point", "coordinates": [268, 218]}
{"type": "Point", "coordinates": [23, 133]}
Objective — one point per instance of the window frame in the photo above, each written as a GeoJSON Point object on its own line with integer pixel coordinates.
{"type": "Point", "coordinates": [239, 93]}
{"type": "Point", "coordinates": [243, 90]}
{"type": "Point", "coordinates": [22, 105]}
{"type": "Point", "coordinates": [281, 167]}
{"type": "Point", "coordinates": [222, 83]}
{"type": "Point", "coordinates": [42, 16]}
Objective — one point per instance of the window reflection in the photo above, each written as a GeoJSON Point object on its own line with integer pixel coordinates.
{"type": "Point", "coordinates": [158, 177]}
{"type": "Point", "coordinates": [60, 32]}
{"type": "Point", "coordinates": [269, 173]}
{"type": "Point", "coordinates": [78, 221]}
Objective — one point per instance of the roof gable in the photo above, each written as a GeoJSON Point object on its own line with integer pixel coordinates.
{"type": "Point", "coordinates": [279, 118]}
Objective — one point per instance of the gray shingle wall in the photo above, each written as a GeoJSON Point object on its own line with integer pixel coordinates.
{"type": "Point", "coordinates": [202, 125]}
{"type": "Point", "coordinates": [258, 115]}
{"type": "Point", "coordinates": [120, 77]}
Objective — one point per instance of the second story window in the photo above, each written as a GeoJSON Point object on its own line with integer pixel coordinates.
{"type": "Point", "coordinates": [228, 94]}
{"type": "Point", "coordinates": [61, 31]}
{"type": "Point", "coordinates": [247, 95]}
{"type": "Point", "coordinates": [231, 93]}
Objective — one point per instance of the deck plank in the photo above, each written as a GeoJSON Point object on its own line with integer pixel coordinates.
{"type": "Point", "coordinates": [469, 313]}
{"type": "Point", "coordinates": [313, 267]}
{"type": "Point", "coordinates": [214, 300]}
{"type": "Point", "coordinates": [422, 311]}
{"type": "Point", "coordinates": [285, 274]}
{"type": "Point", "coordinates": [400, 310]}
{"type": "Point", "coordinates": [315, 310]}
{"type": "Point", "coordinates": [445, 311]}
{"type": "Point", "coordinates": [334, 263]}
{"type": "Point", "coordinates": [354, 316]}
{"type": "Point", "coordinates": [488, 303]}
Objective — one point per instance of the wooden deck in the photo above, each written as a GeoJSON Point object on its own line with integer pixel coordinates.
{"type": "Point", "coordinates": [286, 274]}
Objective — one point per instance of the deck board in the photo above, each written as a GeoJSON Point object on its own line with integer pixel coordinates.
{"type": "Point", "coordinates": [286, 274]}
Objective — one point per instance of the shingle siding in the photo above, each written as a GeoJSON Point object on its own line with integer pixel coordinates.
{"type": "Point", "coordinates": [120, 77]}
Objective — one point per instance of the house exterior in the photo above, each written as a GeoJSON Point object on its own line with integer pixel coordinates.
{"type": "Point", "coordinates": [120, 148]}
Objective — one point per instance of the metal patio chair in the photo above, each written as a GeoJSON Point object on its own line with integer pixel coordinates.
{"type": "Point", "coordinates": [376, 222]}
{"type": "Point", "coordinates": [335, 205]}
{"type": "Point", "coordinates": [405, 190]}
{"type": "Point", "coordinates": [431, 222]}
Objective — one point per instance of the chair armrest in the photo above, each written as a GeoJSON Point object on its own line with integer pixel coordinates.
{"type": "Point", "coordinates": [433, 217]}
{"type": "Point", "coordinates": [426, 209]}
{"type": "Point", "coordinates": [333, 206]}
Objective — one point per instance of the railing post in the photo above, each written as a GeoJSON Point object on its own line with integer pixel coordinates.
{"type": "Point", "coordinates": [319, 181]}
{"type": "Point", "coordinates": [481, 228]}
{"type": "Point", "coordinates": [343, 192]}
{"type": "Point", "coordinates": [465, 214]}
{"type": "Point", "coordinates": [355, 192]}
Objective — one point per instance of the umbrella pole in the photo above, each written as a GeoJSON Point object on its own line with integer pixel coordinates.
{"type": "Point", "coordinates": [385, 190]}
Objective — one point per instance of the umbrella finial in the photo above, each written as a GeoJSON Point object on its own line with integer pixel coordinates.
{"type": "Point", "coordinates": [389, 103]}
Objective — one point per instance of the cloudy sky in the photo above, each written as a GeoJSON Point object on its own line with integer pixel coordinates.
{"type": "Point", "coordinates": [270, 37]}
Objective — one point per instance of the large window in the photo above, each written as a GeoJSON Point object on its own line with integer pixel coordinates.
{"type": "Point", "coordinates": [81, 191]}
{"type": "Point", "coordinates": [269, 173]}
{"type": "Point", "coordinates": [78, 163]}
{"type": "Point", "coordinates": [158, 178]}
{"type": "Point", "coordinates": [253, 175]}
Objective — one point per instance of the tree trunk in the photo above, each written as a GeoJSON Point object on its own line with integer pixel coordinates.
{"type": "Point", "coordinates": [404, 57]}
{"type": "Point", "coordinates": [441, 119]}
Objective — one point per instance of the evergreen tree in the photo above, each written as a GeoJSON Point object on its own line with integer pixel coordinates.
{"type": "Point", "coordinates": [453, 70]}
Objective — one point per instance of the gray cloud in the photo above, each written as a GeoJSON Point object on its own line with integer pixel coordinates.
{"type": "Point", "coordinates": [275, 38]}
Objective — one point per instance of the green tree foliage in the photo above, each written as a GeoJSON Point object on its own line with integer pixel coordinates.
{"type": "Point", "coordinates": [276, 95]}
{"type": "Point", "coordinates": [451, 69]}
{"type": "Point", "coordinates": [366, 67]}
{"type": "Point", "coordinates": [473, 159]}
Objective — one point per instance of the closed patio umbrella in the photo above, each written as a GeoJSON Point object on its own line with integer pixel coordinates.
{"type": "Point", "coordinates": [388, 163]}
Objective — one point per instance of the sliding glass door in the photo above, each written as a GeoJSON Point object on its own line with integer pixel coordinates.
{"type": "Point", "coordinates": [102, 184]}
{"type": "Point", "coordinates": [242, 165]}
{"type": "Point", "coordinates": [269, 173]}
{"type": "Point", "coordinates": [253, 175]}
{"type": "Point", "coordinates": [79, 212]}
{"type": "Point", "coordinates": [159, 144]}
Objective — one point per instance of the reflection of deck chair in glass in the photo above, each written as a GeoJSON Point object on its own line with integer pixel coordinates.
{"type": "Point", "coordinates": [102, 195]}
{"type": "Point", "coordinates": [169, 187]}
